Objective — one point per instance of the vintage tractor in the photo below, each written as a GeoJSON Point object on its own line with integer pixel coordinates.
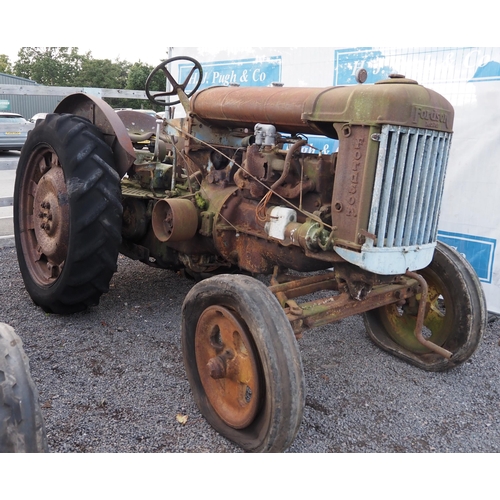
{"type": "Point", "coordinates": [226, 193]}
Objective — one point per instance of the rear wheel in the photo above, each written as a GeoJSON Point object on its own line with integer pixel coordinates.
{"type": "Point", "coordinates": [455, 317]}
{"type": "Point", "coordinates": [67, 214]}
{"type": "Point", "coordinates": [21, 425]}
{"type": "Point", "coordinates": [243, 363]}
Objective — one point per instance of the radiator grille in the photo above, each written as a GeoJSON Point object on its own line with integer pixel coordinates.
{"type": "Point", "coordinates": [408, 186]}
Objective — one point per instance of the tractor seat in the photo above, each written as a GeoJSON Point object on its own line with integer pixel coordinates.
{"type": "Point", "coordinates": [140, 126]}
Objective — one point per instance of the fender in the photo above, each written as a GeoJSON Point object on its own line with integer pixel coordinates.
{"type": "Point", "coordinates": [101, 114]}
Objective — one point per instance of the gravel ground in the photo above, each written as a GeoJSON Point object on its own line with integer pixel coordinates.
{"type": "Point", "coordinates": [112, 379]}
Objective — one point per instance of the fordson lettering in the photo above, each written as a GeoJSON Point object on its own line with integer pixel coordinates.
{"type": "Point", "coordinates": [431, 116]}
{"type": "Point", "coordinates": [353, 188]}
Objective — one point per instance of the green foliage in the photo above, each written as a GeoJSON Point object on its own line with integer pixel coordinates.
{"type": "Point", "coordinates": [5, 66]}
{"type": "Point", "coordinates": [65, 67]}
{"type": "Point", "coordinates": [102, 73]}
{"type": "Point", "coordinates": [137, 77]}
{"type": "Point", "coordinates": [49, 65]}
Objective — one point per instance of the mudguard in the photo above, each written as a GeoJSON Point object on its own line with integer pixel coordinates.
{"type": "Point", "coordinates": [101, 114]}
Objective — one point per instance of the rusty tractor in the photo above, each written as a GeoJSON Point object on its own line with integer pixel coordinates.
{"type": "Point", "coordinates": [229, 194]}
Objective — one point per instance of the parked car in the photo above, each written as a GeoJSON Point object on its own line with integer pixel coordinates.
{"type": "Point", "coordinates": [14, 130]}
{"type": "Point", "coordinates": [38, 116]}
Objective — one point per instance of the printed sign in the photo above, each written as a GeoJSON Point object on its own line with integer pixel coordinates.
{"type": "Point", "coordinates": [427, 65]}
{"type": "Point", "coordinates": [479, 251]}
{"type": "Point", "coordinates": [318, 144]}
{"type": "Point", "coordinates": [245, 72]}
{"type": "Point", "coordinates": [349, 61]}
{"type": "Point", "coordinates": [4, 105]}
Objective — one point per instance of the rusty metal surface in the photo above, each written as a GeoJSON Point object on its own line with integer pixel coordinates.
{"type": "Point", "coordinates": [247, 106]}
{"type": "Point", "coordinates": [103, 116]}
{"type": "Point", "coordinates": [354, 176]}
{"type": "Point", "coordinates": [175, 220]}
{"type": "Point", "coordinates": [312, 110]}
{"type": "Point", "coordinates": [240, 237]}
{"type": "Point", "coordinates": [140, 126]}
{"type": "Point", "coordinates": [228, 366]}
{"type": "Point", "coordinates": [398, 101]}
{"type": "Point", "coordinates": [324, 311]}
{"type": "Point", "coordinates": [44, 216]}
{"type": "Point", "coordinates": [422, 311]}
{"type": "Point", "coordinates": [52, 216]}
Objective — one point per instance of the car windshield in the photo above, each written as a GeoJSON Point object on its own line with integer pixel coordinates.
{"type": "Point", "coordinates": [12, 119]}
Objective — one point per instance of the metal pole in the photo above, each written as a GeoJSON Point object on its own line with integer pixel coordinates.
{"type": "Point", "coordinates": [168, 111]}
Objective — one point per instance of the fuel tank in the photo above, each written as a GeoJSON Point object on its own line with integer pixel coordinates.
{"type": "Point", "coordinates": [397, 100]}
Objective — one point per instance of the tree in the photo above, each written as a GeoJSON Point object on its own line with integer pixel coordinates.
{"type": "Point", "coordinates": [102, 73]}
{"type": "Point", "coordinates": [137, 76]}
{"type": "Point", "coordinates": [5, 66]}
{"type": "Point", "coordinates": [65, 67]}
{"type": "Point", "coordinates": [49, 65]}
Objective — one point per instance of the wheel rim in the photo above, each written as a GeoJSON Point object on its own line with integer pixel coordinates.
{"type": "Point", "coordinates": [400, 322]}
{"type": "Point", "coordinates": [44, 216]}
{"type": "Point", "coordinates": [228, 366]}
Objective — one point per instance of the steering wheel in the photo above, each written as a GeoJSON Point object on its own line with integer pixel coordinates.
{"type": "Point", "coordinates": [173, 82]}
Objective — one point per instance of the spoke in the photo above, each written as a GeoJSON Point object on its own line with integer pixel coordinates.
{"type": "Point", "coordinates": [29, 223]}
{"type": "Point", "coordinates": [433, 294]}
{"type": "Point", "coordinates": [32, 188]}
{"type": "Point", "coordinates": [42, 165]}
{"type": "Point", "coordinates": [186, 81]}
{"type": "Point", "coordinates": [437, 310]}
{"type": "Point", "coordinates": [54, 159]}
{"type": "Point", "coordinates": [170, 78]}
{"type": "Point", "coordinates": [163, 94]}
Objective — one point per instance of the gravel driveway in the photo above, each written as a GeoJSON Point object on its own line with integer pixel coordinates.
{"type": "Point", "coordinates": [112, 379]}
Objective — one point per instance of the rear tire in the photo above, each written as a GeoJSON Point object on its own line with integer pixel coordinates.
{"type": "Point", "coordinates": [21, 423]}
{"type": "Point", "coordinates": [67, 214]}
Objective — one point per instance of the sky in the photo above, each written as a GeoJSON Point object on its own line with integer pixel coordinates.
{"type": "Point", "coordinates": [145, 32]}
{"type": "Point", "coordinates": [130, 54]}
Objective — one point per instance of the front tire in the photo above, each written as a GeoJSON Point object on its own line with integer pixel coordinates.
{"type": "Point", "coordinates": [243, 363]}
{"type": "Point", "coordinates": [455, 317]}
{"type": "Point", "coordinates": [67, 214]}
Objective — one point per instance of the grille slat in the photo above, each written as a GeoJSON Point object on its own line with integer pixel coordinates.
{"type": "Point", "coordinates": [388, 181]}
{"type": "Point", "coordinates": [398, 183]}
{"type": "Point", "coordinates": [437, 190]}
{"type": "Point", "coordinates": [405, 192]}
{"type": "Point", "coordinates": [408, 186]}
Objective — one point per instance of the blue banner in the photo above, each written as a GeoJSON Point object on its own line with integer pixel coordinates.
{"type": "Point", "coordinates": [479, 251]}
{"type": "Point", "coordinates": [428, 65]}
{"type": "Point", "coordinates": [243, 72]}
{"type": "Point", "coordinates": [349, 61]}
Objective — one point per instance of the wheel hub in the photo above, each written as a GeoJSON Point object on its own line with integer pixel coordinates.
{"type": "Point", "coordinates": [401, 323]}
{"type": "Point", "coordinates": [51, 215]}
{"type": "Point", "coordinates": [228, 366]}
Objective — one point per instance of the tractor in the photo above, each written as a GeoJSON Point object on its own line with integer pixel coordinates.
{"type": "Point", "coordinates": [278, 237]}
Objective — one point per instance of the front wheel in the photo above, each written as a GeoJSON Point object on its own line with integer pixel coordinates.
{"type": "Point", "coordinates": [243, 363]}
{"type": "Point", "coordinates": [67, 214]}
{"type": "Point", "coordinates": [22, 428]}
{"type": "Point", "coordinates": [455, 315]}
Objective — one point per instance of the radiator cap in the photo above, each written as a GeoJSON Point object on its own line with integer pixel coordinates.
{"type": "Point", "coordinates": [397, 78]}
